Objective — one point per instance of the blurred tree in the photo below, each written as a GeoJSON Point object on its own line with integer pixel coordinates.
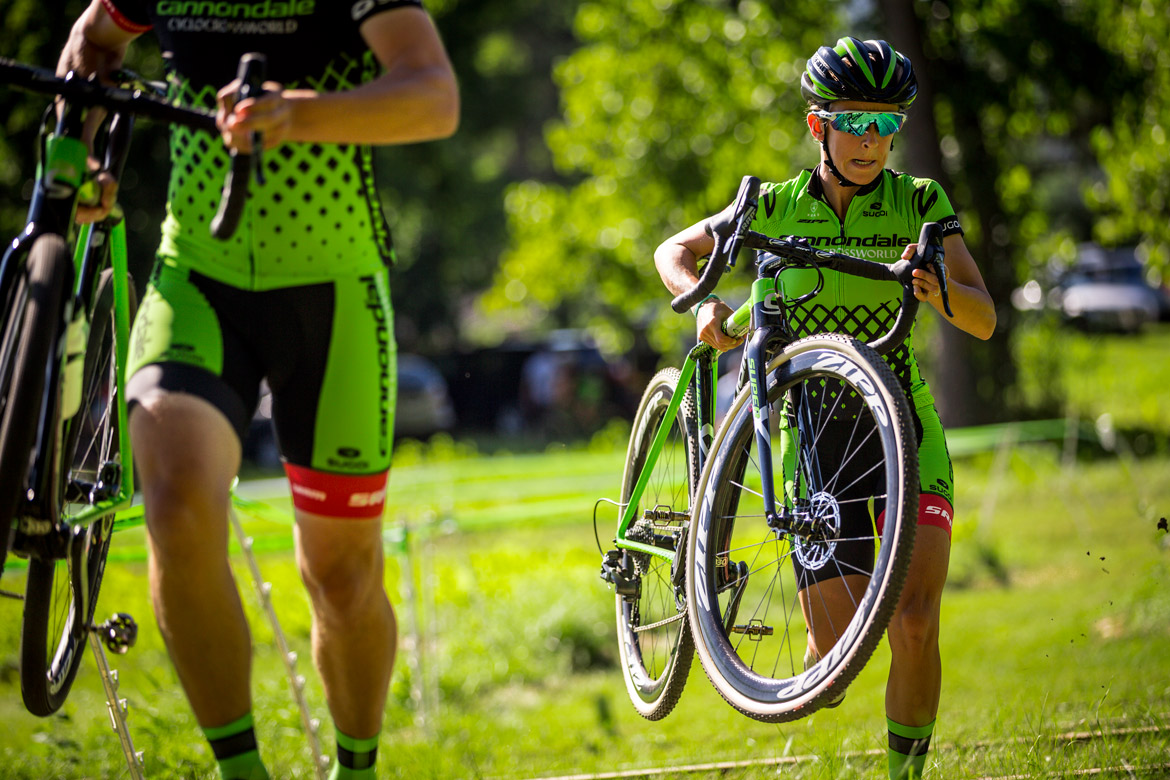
{"type": "Point", "coordinates": [665, 106]}
{"type": "Point", "coordinates": [444, 200]}
{"type": "Point", "coordinates": [1133, 198]}
{"type": "Point", "coordinates": [1016, 103]}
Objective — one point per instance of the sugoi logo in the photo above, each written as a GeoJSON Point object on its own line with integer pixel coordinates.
{"type": "Point", "coordinates": [875, 210]}
{"type": "Point", "coordinates": [349, 452]}
{"type": "Point", "coordinates": [951, 225]}
{"type": "Point", "coordinates": [852, 372]}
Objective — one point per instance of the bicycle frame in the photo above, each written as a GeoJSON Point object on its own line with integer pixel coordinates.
{"type": "Point", "coordinates": [60, 179]}
{"type": "Point", "coordinates": [701, 367]}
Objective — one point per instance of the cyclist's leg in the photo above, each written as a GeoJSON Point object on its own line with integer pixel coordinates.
{"type": "Point", "coordinates": [186, 493]}
{"type": "Point", "coordinates": [189, 381]}
{"type": "Point", "coordinates": [914, 686]}
{"type": "Point", "coordinates": [333, 409]}
{"type": "Point", "coordinates": [354, 630]}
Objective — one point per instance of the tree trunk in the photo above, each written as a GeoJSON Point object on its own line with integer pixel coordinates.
{"type": "Point", "coordinates": [962, 398]}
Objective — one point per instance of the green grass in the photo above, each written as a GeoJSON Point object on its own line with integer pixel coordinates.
{"type": "Point", "coordinates": [1056, 621]}
{"type": "Point", "coordinates": [521, 656]}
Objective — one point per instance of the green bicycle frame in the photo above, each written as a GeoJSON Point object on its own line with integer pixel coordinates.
{"type": "Point", "coordinates": [701, 355]}
{"type": "Point", "coordinates": [121, 314]}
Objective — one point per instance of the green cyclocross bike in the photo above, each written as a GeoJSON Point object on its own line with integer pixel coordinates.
{"type": "Point", "coordinates": [68, 301]}
{"type": "Point", "coordinates": [729, 530]}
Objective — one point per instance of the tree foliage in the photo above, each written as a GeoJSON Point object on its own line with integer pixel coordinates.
{"type": "Point", "coordinates": [666, 105]}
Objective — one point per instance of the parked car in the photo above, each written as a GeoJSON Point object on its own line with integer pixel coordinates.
{"type": "Point", "coordinates": [424, 404]}
{"type": "Point", "coordinates": [1105, 289]}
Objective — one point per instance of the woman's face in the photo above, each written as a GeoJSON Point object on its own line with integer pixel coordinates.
{"type": "Point", "coordinates": [859, 158]}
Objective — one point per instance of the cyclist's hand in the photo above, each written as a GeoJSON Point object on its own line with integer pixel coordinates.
{"type": "Point", "coordinates": [270, 114]}
{"type": "Point", "coordinates": [710, 324]}
{"type": "Point", "coordinates": [926, 283]}
{"type": "Point", "coordinates": [103, 189]}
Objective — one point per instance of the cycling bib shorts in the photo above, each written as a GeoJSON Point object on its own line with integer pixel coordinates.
{"type": "Point", "coordinates": [327, 351]}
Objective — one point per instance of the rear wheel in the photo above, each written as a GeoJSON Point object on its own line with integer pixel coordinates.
{"type": "Point", "coordinates": [653, 634]}
{"type": "Point", "coordinates": [61, 594]}
{"type": "Point", "coordinates": [787, 612]}
{"type": "Point", "coordinates": [29, 333]}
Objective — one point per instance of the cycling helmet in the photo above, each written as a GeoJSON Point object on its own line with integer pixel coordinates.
{"type": "Point", "coordinates": [870, 71]}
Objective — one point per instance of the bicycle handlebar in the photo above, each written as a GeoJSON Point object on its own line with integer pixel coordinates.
{"type": "Point", "coordinates": [731, 232]}
{"type": "Point", "coordinates": [90, 93]}
{"type": "Point", "coordinates": [728, 233]}
{"type": "Point", "coordinates": [235, 186]}
{"type": "Point", "coordinates": [126, 103]}
{"type": "Point", "coordinates": [928, 254]}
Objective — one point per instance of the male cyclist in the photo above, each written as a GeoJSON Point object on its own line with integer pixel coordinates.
{"type": "Point", "coordinates": [858, 93]}
{"type": "Point", "coordinates": [299, 296]}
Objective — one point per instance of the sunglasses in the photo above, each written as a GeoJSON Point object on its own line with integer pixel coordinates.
{"type": "Point", "coordinates": [857, 122]}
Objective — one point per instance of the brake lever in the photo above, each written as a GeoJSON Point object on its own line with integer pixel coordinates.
{"type": "Point", "coordinates": [252, 87]}
{"type": "Point", "coordinates": [930, 255]}
{"type": "Point", "coordinates": [939, 269]}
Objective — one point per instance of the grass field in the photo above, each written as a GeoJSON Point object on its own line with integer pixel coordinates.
{"type": "Point", "coordinates": [1056, 638]}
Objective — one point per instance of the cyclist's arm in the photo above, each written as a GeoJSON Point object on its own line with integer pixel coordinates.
{"type": "Point", "coordinates": [677, 261]}
{"type": "Point", "coordinates": [96, 44]}
{"type": "Point", "coordinates": [971, 303]}
{"type": "Point", "coordinates": [415, 99]}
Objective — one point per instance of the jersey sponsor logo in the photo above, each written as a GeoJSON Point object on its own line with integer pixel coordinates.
{"type": "Point", "coordinates": [373, 498]}
{"type": "Point", "coordinates": [382, 335]}
{"type": "Point", "coordinates": [769, 201]}
{"type": "Point", "coordinates": [892, 240]}
{"type": "Point", "coordinates": [934, 509]}
{"type": "Point", "coordinates": [922, 202]}
{"type": "Point", "coordinates": [875, 210]}
{"type": "Point", "coordinates": [308, 492]}
{"type": "Point", "coordinates": [362, 8]}
{"type": "Point", "coordinates": [269, 9]}
{"type": "Point", "coordinates": [349, 452]}
{"type": "Point", "coordinates": [811, 221]}
{"type": "Point", "coordinates": [951, 225]}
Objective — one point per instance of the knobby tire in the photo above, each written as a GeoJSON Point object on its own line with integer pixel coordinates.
{"type": "Point", "coordinates": [748, 622]}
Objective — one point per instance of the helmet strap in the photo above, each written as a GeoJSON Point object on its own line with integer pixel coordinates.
{"type": "Point", "coordinates": [829, 159]}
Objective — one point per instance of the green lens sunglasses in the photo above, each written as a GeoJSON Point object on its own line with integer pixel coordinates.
{"type": "Point", "coordinates": [857, 122]}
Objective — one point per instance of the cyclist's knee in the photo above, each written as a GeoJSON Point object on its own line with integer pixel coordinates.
{"type": "Point", "coordinates": [915, 626]}
{"type": "Point", "coordinates": [343, 585]}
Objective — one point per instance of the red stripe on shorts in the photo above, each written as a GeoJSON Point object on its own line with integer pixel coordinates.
{"type": "Point", "coordinates": [121, 20]}
{"type": "Point", "coordinates": [337, 495]}
{"type": "Point", "coordinates": [932, 510]}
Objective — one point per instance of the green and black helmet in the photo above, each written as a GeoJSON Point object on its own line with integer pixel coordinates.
{"type": "Point", "coordinates": [870, 71]}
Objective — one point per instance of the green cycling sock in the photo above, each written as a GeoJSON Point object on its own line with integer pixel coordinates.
{"type": "Point", "coordinates": [234, 746]}
{"type": "Point", "coordinates": [355, 758]}
{"type": "Point", "coordinates": [908, 746]}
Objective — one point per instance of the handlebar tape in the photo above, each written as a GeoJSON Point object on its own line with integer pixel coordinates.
{"type": "Point", "coordinates": [235, 188]}
{"type": "Point", "coordinates": [728, 233]}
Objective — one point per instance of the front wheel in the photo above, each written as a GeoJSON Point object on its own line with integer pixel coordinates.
{"type": "Point", "coordinates": [61, 594]}
{"type": "Point", "coordinates": [653, 635]}
{"type": "Point", "coordinates": [26, 348]}
{"type": "Point", "coordinates": [787, 608]}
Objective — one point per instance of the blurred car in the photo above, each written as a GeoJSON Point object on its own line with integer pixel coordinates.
{"type": "Point", "coordinates": [1105, 289]}
{"type": "Point", "coordinates": [424, 403]}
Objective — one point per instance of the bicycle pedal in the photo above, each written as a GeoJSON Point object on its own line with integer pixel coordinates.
{"type": "Point", "coordinates": [755, 630]}
{"type": "Point", "coordinates": [119, 633]}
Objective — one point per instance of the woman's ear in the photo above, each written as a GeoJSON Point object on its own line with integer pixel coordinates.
{"type": "Point", "coordinates": [815, 126]}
